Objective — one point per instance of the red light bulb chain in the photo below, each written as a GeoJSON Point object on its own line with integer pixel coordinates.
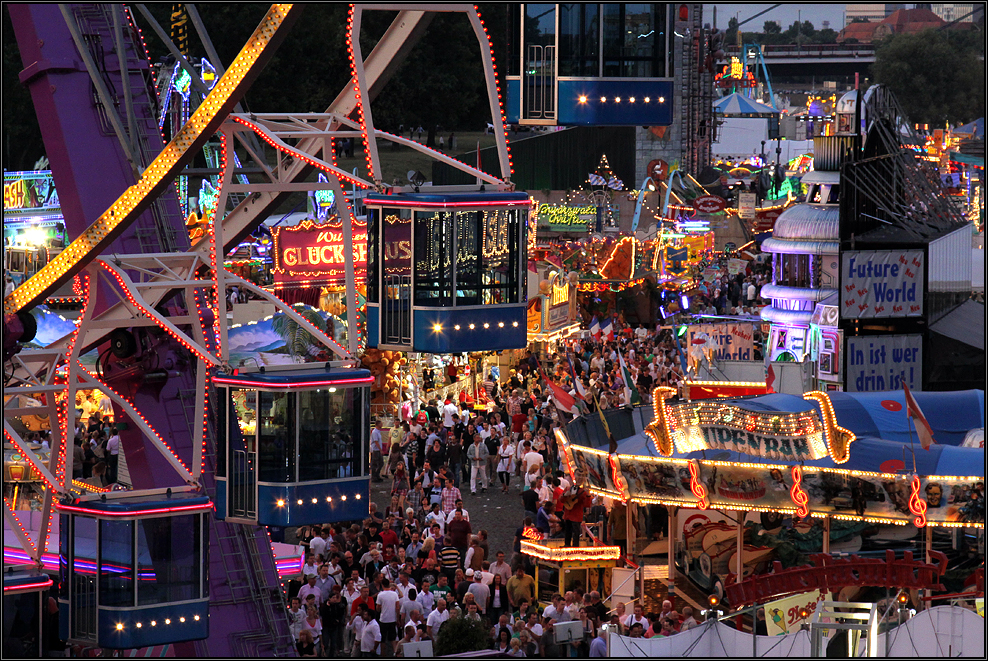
{"type": "Point", "coordinates": [137, 413]}
{"type": "Point", "coordinates": [500, 102]}
{"type": "Point", "coordinates": [356, 92]}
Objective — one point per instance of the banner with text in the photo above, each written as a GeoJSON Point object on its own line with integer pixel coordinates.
{"type": "Point", "coordinates": [881, 283]}
{"type": "Point", "coordinates": [735, 341]}
{"type": "Point", "coordinates": [884, 362]}
{"type": "Point", "coordinates": [312, 255]}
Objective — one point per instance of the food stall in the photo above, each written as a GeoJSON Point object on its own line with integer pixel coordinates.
{"type": "Point", "coordinates": [561, 568]}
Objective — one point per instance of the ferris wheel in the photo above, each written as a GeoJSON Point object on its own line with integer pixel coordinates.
{"type": "Point", "coordinates": [182, 557]}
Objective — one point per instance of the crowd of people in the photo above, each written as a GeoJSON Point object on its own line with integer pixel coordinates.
{"type": "Point", "coordinates": [367, 602]}
{"type": "Point", "coordinates": [397, 576]}
{"type": "Point", "coordinates": [96, 451]}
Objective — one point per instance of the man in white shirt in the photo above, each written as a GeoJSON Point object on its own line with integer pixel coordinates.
{"type": "Point", "coordinates": [335, 570]}
{"type": "Point", "coordinates": [425, 599]}
{"type": "Point", "coordinates": [376, 444]}
{"type": "Point", "coordinates": [112, 455]}
{"type": "Point", "coordinates": [318, 544]}
{"type": "Point", "coordinates": [387, 601]}
{"type": "Point", "coordinates": [370, 636]}
{"type": "Point", "coordinates": [638, 617]}
{"type": "Point", "coordinates": [459, 506]}
{"type": "Point", "coordinates": [437, 617]}
{"type": "Point", "coordinates": [448, 412]}
{"type": "Point", "coordinates": [354, 629]}
{"type": "Point", "coordinates": [529, 461]}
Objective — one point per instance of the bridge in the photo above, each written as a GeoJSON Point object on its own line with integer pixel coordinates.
{"type": "Point", "coordinates": [821, 60]}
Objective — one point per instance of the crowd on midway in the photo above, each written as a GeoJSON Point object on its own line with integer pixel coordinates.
{"type": "Point", "coordinates": [397, 576]}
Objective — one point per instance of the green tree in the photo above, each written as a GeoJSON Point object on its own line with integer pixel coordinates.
{"type": "Point", "coordinates": [459, 634]}
{"type": "Point", "coordinates": [938, 76]}
{"type": "Point", "coordinates": [22, 144]}
{"type": "Point", "coordinates": [731, 34]}
{"type": "Point", "coordinates": [772, 27]}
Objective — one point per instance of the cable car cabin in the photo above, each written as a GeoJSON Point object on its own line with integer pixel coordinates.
{"type": "Point", "coordinates": [25, 596]}
{"type": "Point", "coordinates": [132, 570]}
{"type": "Point", "coordinates": [293, 446]}
{"type": "Point", "coordinates": [561, 568]}
{"type": "Point", "coordinates": [446, 273]}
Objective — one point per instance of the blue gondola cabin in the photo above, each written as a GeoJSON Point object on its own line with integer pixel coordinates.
{"type": "Point", "coordinates": [293, 446]}
{"type": "Point", "coordinates": [446, 273]}
{"type": "Point", "coordinates": [131, 570]}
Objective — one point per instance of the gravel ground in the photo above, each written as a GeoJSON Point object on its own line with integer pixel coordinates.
{"type": "Point", "coordinates": [498, 513]}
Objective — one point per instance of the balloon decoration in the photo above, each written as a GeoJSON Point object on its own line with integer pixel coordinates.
{"type": "Point", "coordinates": [385, 367]}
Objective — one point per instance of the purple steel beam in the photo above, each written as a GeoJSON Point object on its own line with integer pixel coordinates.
{"type": "Point", "coordinates": [91, 171]}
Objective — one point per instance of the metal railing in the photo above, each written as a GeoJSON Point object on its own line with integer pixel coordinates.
{"type": "Point", "coordinates": [811, 50]}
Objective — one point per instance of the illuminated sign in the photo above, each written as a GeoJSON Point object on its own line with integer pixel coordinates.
{"type": "Point", "coordinates": [29, 191]}
{"type": "Point", "coordinates": [315, 254]}
{"type": "Point", "coordinates": [709, 424]}
{"type": "Point", "coordinates": [566, 219]}
{"type": "Point", "coordinates": [571, 553]}
{"type": "Point", "coordinates": [709, 203]}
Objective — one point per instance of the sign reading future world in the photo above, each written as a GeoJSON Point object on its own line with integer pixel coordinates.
{"type": "Point", "coordinates": [881, 283]}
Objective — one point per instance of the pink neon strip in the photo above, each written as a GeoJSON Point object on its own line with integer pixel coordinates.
{"type": "Point", "coordinates": [161, 510]}
{"type": "Point", "coordinates": [27, 586]}
{"type": "Point", "coordinates": [261, 384]}
{"type": "Point", "coordinates": [398, 202]}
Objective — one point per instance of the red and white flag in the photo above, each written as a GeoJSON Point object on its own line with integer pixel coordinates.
{"type": "Point", "coordinates": [923, 429]}
{"type": "Point", "coordinates": [564, 401]}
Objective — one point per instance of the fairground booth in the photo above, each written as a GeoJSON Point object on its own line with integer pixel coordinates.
{"type": "Point", "coordinates": [755, 487]}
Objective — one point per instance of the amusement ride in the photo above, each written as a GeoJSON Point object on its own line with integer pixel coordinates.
{"type": "Point", "coordinates": [183, 556]}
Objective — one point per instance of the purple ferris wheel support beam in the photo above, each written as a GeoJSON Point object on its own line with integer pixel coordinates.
{"type": "Point", "coordinates": [91, 170]}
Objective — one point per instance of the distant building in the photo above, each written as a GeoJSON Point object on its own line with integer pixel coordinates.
{"type": "Point", "coordinates": [953, 11]}
{"type": "Point", "coordinates": [901, 21]}
{"type": "Point", "coordinates": [873, 12]}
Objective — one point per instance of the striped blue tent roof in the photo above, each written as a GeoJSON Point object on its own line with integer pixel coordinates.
{"type": "Point", "coordinates": [738, 105]}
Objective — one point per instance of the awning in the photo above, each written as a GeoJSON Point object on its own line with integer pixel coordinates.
{"type": "Point", "coordinates": [965, 323]}
{"type": "Point", "coordinates": [738, 105]}
{"type": "Point", "coordinates": [958, 157]}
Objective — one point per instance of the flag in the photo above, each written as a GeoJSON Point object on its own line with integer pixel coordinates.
{"type": "Point", "coordinates": [607, 330]}
{"type": "Point", "coordinates": [769, 380]}
{"type": "Point", "coordinates": [564, 401]}
{"type": "Point", "coordinates": [596, 180]}
{"type": "Point", "coordinates": [923, 429]}
{"type": "Point", "coordinates": [615, 184]}
{"type": "Point", "coordinates": [581, 393]}
{"type": "Point", "coordinates": [631, 394]}
{"type": "Point", "coordinates": [595, 329]}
